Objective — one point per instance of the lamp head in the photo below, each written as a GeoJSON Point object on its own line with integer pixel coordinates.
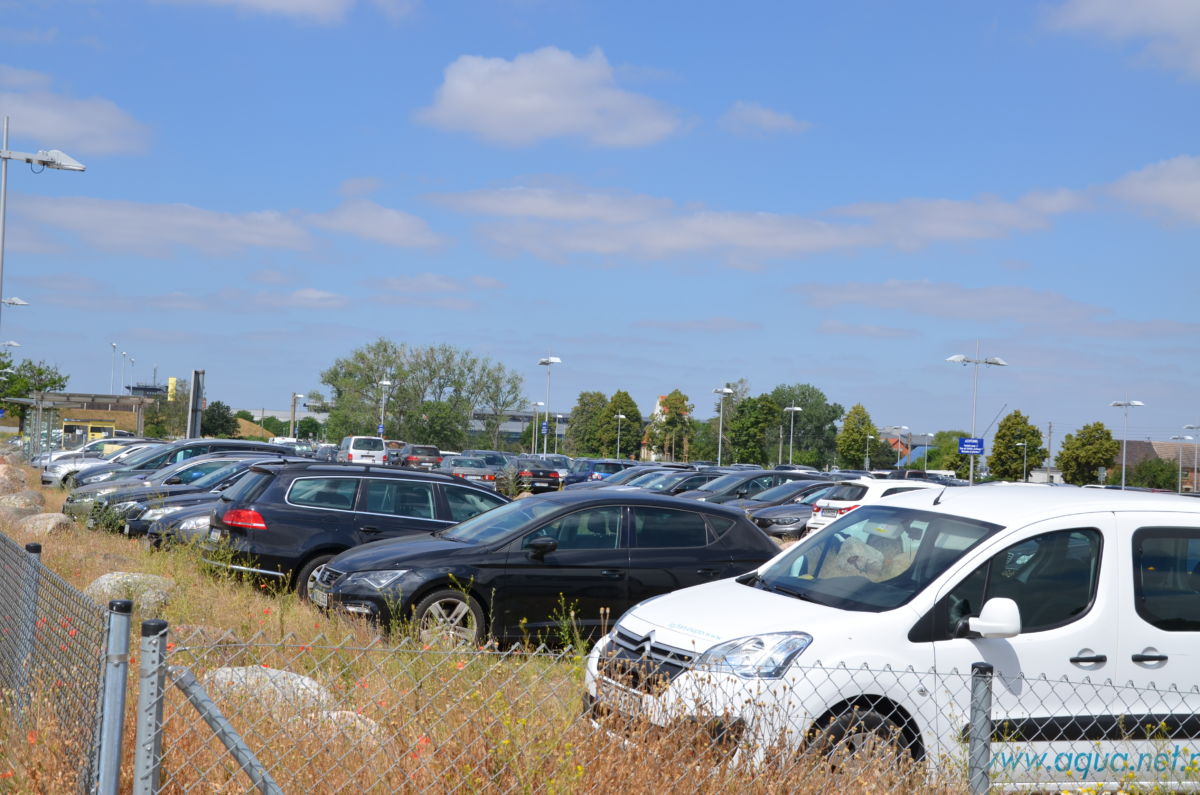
{"type": "Point", "coordinates": [722, 390]}
{"type": "Point", "coordinates": [549, 360]}
{"type": "Point", "coordinates": [56, 158]}
{"type": "Point", "coordinates": [957, 358]}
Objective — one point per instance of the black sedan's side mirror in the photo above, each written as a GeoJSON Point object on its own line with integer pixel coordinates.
{"type": "Point", "coordinates": [541, 546]}
{"type": "Point", "coordinates": [742, 493]}
{"type": "Point", "coordinates": [174, 480]}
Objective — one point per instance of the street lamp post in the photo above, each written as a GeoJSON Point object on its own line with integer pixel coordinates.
{"type": "Point", "coordinates": [723, 391]}
{"type": "Point", "coordinates": [132, 362]}
{"type": "Point", "coordinates": [1124, 406]}
{"type": "Point", "coordinates": [791, 410]}
{"type": "Point", "coordinates": [619, 418]}
{"type": "Point", "coordinates": [994, 361]}
{"type": "Point", "coordinates": [899, 438]}
{"type": "Point", "coordinates": [112, 374]}
{"type": "Point", "coordinates": [1024, 461]}
{"type": "Point", "coordinates": [925, 463]}
{"type": "Point", "coordinates": [547, 362]}
{"type": "Point", "coordinates": [292, 426]}
{"type": "Point", "coordinates": [867, 453]}
{"type": "Point", "coordinates": [1181, 439]}
{"type": "Point", "coordinates": [51, 159]}
{"type": "Point", "coordinates": [124, 357]}
{"type": "Point", "coordinates": [557, 425]}
{"type": "Point", "coordinates": [382, 402]}
{"type": "Point", "coordinates": [533, 431]}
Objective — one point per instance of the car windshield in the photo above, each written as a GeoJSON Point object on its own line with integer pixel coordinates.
{"type": "Point", "coordinates": [367, 443]}
{"type": "Point", "coordinates": [426, 451]}
{"type": "Point", "coordinates": [724, 482]}
{"type": "Point", "coordinates": [468, 463]}
{"type": "Point", "coordinates": [140, 455]}
{"type": "Point", "coordinates": [496, 524]}
{"type": "Point", "coordinates": [643, 479]}
{"type": "Point", "coordinates": [664, 480]}
{"type": "Point", "coordinates": [874, 559]}
{"type": "Point", "coordinates": [782, 491]}
{"type": "Point", "coordinates": [217, 475]}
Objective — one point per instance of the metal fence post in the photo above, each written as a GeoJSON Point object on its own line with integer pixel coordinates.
{"type": "Point", "coordinates": [980, 739]}
{"type": "Point", "coordinates": [27, 628]}
{"type": "Point", "coordinates": [147, 759]}
{"type": "Point", "coordinates": [112, 711]}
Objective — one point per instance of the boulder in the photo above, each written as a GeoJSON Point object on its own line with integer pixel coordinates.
{"type": "Point", "coordinates": [40, 525]}
{"type": "Point", "coordinates": [12, 479]}
{"type": "Point", "coordinates": [149, 592]}
{"type": "Point", "coordinates": [342, 723]}
{"type": "Point", "coordinates": [267, 688]}
{"type": "Point", "coordinates": [25, 498]}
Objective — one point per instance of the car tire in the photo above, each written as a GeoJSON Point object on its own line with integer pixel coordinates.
{"type": "Point", "coordinates": [449, 616]}
{"type": "Point", "coordinates": [69, 481]}
{"type": "Point", "coordinates": [304, 577]}
{"type": "Point", "coordinates": [860, 731]}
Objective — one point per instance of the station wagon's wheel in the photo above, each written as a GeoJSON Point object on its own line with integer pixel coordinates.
{"type": "Point", "coordinates": [861, 734]}
{"type": "Point", "coordinates": [307, 575]}
{"type": "Point", "coordinates": [449, 616]}
{"type": "Point", "coordinates": [69, 481]}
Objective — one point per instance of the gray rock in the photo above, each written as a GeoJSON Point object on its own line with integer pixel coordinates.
{"type": "Point", "coordinates": [341, 723]}
{"type": "Point", "coordinates": [26, 498]}
{"type": "Point", "coordinates": [9, 517]}
{"type": "Point", "coordinates": [149, 592]}
{"type": "Point", "coordinates": [267, 688]}
{"type": "Point", "coordinates": [12, 479]}
{"type": "Point", "coordinates": [40, 525]}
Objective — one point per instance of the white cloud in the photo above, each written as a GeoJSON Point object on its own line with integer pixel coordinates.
{"type": "Point", "coordinates": [78, 126]}
{"type": "Point", "coordinates": [304, 298]}
{"type": "Point", "coordinates": [548, 93]}
{"type": "Point", "coordinates": [270, 276]}
{"type": "Point", "coordinates": [370, 221]}
{"type": "Point", "coordinates": [557, 205]}
{"type": "Point", "coordinates": [844, 329]}
{"type": "Point", "coordinates": [423, 283]}
{"type": "Point", "coordinates": [321, 11]}
{"type": "Point", "coordinates": [556, 224]}
{"type": "Point", "coordinates": [359, 186]}
{"type": "Point", "coordinates": [1170, 29]}
{"type": "Point", "coordinates": [710, 325]}
{"type": "Point", "coordinates": [1169, 185]}
{"type": "Point", "coordinates": [750, 118]}
{"type": "Point", "coordinates": [154, 229]}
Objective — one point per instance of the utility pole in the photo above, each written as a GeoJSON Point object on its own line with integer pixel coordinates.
{"type": "Point", "coordinates": [1049, 448]}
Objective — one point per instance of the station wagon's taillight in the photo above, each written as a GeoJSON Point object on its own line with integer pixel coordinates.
{"type": "Point", "coordinates": [525, 473]}
{"type": "Point", "coordinates": [847, 509]}
{"type": "Point", "coordinates": [242, 517]}
{"type": "Point", "coordinates": [553, 474]}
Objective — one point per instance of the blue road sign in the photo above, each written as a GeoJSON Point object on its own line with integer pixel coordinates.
{"type": "Point", "coordinates": [379, 429]}
{"type": "Point", "coordinates": [968, 445]}
{"type": "Point", "coordinates": [545, 427]}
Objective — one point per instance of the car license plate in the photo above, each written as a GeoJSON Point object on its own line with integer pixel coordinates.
{"type": "Point", "coordinates": [319, 597]}
{"type": "Point", "coordinates": [541, 483]}
{"type": "Point", "coordinates": [91, 522]}
{"type": "Point", "coordinates": [618, 699]}
{"type": "Point", "coordinates": [214, 534]}
{"type": "Point", "coordinates": [472, 477]}
{"type": "Point", "coordinates": [125, 529]}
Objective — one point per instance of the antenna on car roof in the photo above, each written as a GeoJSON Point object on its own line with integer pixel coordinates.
{"type": "Point", "coordinates": [938, 499]}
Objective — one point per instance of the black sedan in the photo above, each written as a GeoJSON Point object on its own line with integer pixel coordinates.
{"type": "Point", "coordinates": [561, 565]}
{"type": "Point", "coordinates": [535, 475]}
{"type": "Point", "coordinates": [788, 491]}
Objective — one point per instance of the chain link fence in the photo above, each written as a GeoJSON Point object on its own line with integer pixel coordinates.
{"type": "Point", "coordinates": [52, 658]}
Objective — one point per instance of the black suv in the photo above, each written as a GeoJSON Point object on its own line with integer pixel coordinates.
{"type": "Point", "coordinates": [285, 520]}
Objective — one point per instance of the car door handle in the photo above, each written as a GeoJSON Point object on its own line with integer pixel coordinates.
{"type": "Point", "coordinates": [708, 572]}
{"type": "Point", "coordinates": [1092, 658]}
{"type": "Point", "coordinates": [613, 573]}
{"type": "Point", "coordinates": [1149, 658]}
{"type": "Point", "coordinates": [370, 530]}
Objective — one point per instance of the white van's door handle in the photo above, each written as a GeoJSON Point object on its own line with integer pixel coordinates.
{"type": "Point", "coordinates": [1091, 658]}
{"type": "Point", "coordinates": [1149, 658]}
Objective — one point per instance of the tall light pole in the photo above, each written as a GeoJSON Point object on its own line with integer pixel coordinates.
{"type": "Point", "coordinates": [533, 431]}
{"type": "Point", "coordinates": [1181, 439]}
{"type": "Point", "coordinates": [791, 410]}
{"type": "Point", "coordinates": [1124, 406]}
{"type": "Point", "coordinates": [867, 453]}
{"type": "Point", "coordinates": [548, 362]}
{"type": "Point", "coordinates": [724, 392]}
{"type": "Point", "coordinates": [383, 385]}
{"type": "Point", "coordinates": [925, 463]}
{"type": "Point", "coordinates": [994, 361]}
{"type": "Point", "coordinates": [112, 375]}
{"type": "Point", "coordinates": [1024, 460]}
{"type": "Point", "coordinates": [124, 357]}
{"type": "Point", "coordinates": [619, 418]}
{"type": "Point", "coordinates": [51, 159]}
{"type": "Point", "coordinates": [132, 362]}
{"type": "Point", "coordinates": [292, 426]}
{"type": "Point", "coordinates": [557, 426]}
{"type": "Point", "coordinates": [1195, 456]}
{"type": "Point", "coordinates": [897, 429]}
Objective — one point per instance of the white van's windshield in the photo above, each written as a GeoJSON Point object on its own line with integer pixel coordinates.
{"type": "Point", "coordinates": [873, 559]}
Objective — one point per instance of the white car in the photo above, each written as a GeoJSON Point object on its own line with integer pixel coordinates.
{"type": "Point", "coordinates": [1085, 602]}
{"type": "Point", "coordinates": [848, 495]}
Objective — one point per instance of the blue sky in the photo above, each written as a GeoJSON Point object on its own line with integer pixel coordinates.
{"type": "Point", "coordinates": [663, 195]}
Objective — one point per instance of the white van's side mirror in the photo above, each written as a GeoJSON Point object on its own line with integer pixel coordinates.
{"type": "Point", "coordinates": [999, 618]}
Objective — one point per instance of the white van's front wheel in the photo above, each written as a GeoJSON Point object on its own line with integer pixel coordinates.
{"type": "Point", "coordinates": [861, 734]}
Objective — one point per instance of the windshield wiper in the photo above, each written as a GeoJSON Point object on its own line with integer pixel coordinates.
{"type": "Point", "coordinates": [762, 584]}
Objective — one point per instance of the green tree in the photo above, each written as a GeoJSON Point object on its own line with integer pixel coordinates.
{"type": "Point", "coordinates": [704, 440]}
{"type": "Point", "coordinates": [754, 420]}
{"type": "Point", "coordinates": [243, 414]}
{"type": "Point", "coordinates": [1149, 473]}
{"type": "Point", "coordinates": [440, 424]}
{"type": "Point", "coordinates": [308, 428]}
{"type": "Point", "coordinates": [1085, 452]}
{"type": "Point", "coordinates": [1009, 460]}
{"type": "Point", "coordinates": [630, 427]}
{"type": "Point", "coordinates": [945, 455]}
{"type": "Point", "coordinates": [277, 427]}
{"type": "Point", "coordinates": [670, 431]}
{"type": "Point", "coordinates": [585, 425]}
{"type": "Point", "coordinates": [858, 443]}
{"type": "Point", "coordinates": [815, 441]}
{"type": "Point", "coordinates": [218, 420]}
{"type": "Point", "coordinates": [26, 379]}
{"type": "Point", "coordinates": [502, 392]}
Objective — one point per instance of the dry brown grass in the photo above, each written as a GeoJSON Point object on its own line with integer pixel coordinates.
{"type": "Point", "coordinates": [444, 720]}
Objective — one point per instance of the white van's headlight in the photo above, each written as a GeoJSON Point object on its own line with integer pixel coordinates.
{"type": "Point", "coordinates": [756, 657]}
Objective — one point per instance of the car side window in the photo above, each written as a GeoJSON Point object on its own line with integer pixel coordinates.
{"type": "Point", "coordinates": [594, 528]}
{"type": "Point", "coordinates": [323, 492]}
{"type": "Point", "coordinates": [398, 497]}
{"type": "Point", "coordinates": [1166, 577]}
{"type": "Point", "coordinates": [668, 527]}
{"type": "Point", "coordinates": [1052, 577]}
{"type": "Point", "coordinates": [465, 503]}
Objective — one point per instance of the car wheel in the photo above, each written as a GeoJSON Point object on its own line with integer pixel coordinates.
{"type": "Point", "coordinates": [862, 735]}
{"type": "Point", "coordinates": [307, 575]}
{"type": "Point", "coordinates": [69, 481]}
{"type": "Point", "coordinates": [449, 616]}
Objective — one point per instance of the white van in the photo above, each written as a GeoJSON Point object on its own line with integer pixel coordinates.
{"type": "Point", "coordinates": [1085, 602]}
{"type": "Point", "coordinates": [362, 450]}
